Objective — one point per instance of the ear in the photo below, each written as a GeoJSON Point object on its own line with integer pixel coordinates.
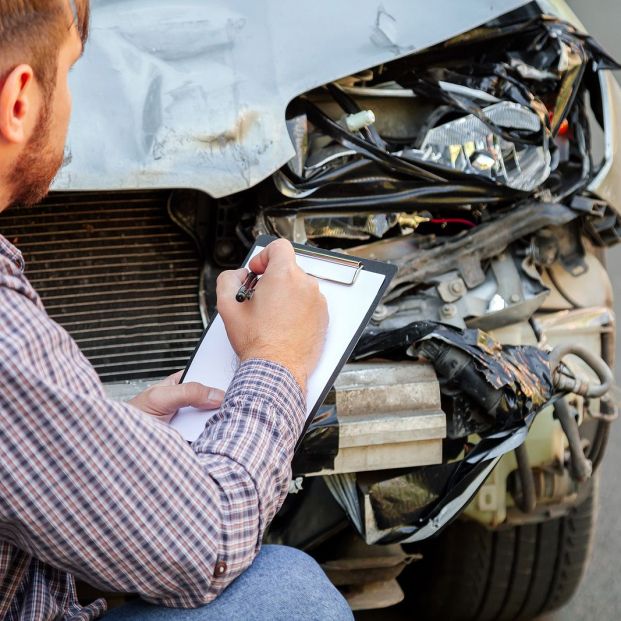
{"type": "Point", "coordinates": [18, 105]}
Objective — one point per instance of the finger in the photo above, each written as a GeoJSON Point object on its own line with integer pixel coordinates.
{"type": "Point", "coordinates": [192, 394]}
{"type": "Point", "coordinates": [278, 253]}
{"type": "Point", "coordinates": [229, 282]}
{"type": "Point", "coordinates": [200, 396]}
{"type": "Point", "coordinates": [173, 379]}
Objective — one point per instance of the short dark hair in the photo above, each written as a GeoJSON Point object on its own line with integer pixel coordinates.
{"type": "Point", "coordinates": [32, 32]}
{"type": "Point", "coordinates": [82, 17]}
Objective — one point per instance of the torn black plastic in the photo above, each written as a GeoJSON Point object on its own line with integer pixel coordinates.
{"type": "Point", "coordinates": [395, 502]}
{"type": "Point", "coordinates": [320, 445]}
{"type": "Point", "coordinates": [506, 382]}
{"type": "Point", "coordinates": [402, 499]}
{"type": "Point", "coordinates": [412, 505]}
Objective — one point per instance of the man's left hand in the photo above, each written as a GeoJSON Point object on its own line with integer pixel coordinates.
{"type": "Point", "coordinates": [163, 399]}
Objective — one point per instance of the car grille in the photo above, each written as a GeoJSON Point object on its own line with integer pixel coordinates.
{"type": "Point", "coordinates": [117, 274]}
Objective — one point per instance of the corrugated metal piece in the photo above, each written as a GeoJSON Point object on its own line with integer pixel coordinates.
{"type": "Point", "coordinates": [389, 416]}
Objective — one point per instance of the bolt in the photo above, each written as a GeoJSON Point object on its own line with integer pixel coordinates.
{"type": "Point", "coordinates": [381, 312]}
{"type": "Point", "coordinates": [456, 287]}
{"type": "Point", "coordinates": [515, 298]}
{"type": "Point", "coordinates": [448, 311]}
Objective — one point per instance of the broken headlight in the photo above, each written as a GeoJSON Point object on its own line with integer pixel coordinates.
{"type": "Point", "coordinates": [469, 145]}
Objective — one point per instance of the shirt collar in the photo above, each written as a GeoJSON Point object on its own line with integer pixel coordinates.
{"type": "Point", "coordinates": [8, 250]}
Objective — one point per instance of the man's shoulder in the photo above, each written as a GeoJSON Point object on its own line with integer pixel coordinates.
{"type": "Point", "coordinates": [27, 332]}
{"type": "Point", "coordinates": [15, 286]}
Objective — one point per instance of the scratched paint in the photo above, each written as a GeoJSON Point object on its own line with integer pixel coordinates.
{"type": "Point", "coordinates": [192, 93]}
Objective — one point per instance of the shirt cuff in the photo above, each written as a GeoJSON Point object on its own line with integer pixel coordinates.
{"type": "Point", "coordinates": [273, 384]}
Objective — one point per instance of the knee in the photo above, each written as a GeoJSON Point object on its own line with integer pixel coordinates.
{"type": "Point", "coordinates": [300, 580]}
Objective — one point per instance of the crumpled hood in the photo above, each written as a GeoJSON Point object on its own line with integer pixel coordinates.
{"type": "Point", "coordinates": [193, 93]}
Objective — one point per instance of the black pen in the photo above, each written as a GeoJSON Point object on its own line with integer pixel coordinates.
{"type": "Point", "coordinates": [247, 289]}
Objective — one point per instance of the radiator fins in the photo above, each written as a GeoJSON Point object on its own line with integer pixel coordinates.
{"type": "Point", "coordinates": [117, 274]}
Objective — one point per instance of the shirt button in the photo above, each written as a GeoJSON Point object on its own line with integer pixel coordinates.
{"type": "Point", "coordinates": [220, 569]}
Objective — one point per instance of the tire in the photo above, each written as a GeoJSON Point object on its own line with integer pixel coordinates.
{"type": "Point", "coordinates": [471, 573]}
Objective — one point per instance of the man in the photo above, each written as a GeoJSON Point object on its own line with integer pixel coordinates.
{"type": "Point", "coordinates": [107, 491]}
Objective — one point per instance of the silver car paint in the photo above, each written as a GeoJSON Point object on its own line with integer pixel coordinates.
{"type": "Point", "coordinates": [193, 93]}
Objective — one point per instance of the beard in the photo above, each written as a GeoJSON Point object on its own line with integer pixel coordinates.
{"type": "Point", "coordinates": [37, 165]}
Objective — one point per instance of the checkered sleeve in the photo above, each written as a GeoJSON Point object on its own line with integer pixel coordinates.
{"type": "Point", "coordinates": [251, 442]}
{"type": "Point", "coordinates": [102, 491]}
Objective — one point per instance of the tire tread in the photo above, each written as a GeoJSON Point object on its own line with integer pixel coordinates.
{"type": "Point", "coordinates": [516, 574]}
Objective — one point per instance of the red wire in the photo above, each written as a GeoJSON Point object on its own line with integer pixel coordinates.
{"type": "Point", "coordinates": [453, 221]}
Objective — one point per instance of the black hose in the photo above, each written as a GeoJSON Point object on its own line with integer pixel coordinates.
{"type": "Point", "coordinates": [600, 441]}
{"type": "Point", "coordinates": [425, 196]}
{"type": "Point", "coordinates": [527, 500]}
{"type": "Point", "coordinates": [324, 178]}
{"type": "Point", "coordinates": [367, 149]}
{"type": "Point", "coordinates": [580, 467]}
{"type": "Point", "coordinates": [607, 409]}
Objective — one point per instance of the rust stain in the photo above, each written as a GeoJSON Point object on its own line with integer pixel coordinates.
{"type": "Point", "coordinates": [235, 134]}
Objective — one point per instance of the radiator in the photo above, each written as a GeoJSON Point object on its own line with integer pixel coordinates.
{"type": "Point", "coordinates": [118, 275]}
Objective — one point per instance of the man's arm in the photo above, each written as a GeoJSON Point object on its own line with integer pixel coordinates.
{"type": "Point", "coordinates": [98, 489]}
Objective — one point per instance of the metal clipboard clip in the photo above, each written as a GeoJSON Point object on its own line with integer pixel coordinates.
{"type": "Point", "coordinates": [352, 264]}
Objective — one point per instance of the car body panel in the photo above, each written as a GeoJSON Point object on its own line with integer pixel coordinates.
{"type": "Point", "coordinates": [188, 94]}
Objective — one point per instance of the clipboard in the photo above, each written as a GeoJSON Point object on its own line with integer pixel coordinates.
{"type": "Point", "coordinates": [352, 286]}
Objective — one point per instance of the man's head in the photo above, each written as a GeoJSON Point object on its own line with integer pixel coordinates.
{"type": "Point", "coordinates": [40, 40]}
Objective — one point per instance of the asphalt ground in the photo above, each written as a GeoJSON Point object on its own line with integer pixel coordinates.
{"type": "Point", "coordinates": [599, 596]}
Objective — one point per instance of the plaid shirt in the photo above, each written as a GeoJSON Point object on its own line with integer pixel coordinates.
{"type": "Point", "coordinates": [93, 488]}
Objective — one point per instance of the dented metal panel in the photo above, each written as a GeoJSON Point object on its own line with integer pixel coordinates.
{"type": "Point", "coordinates": [193, 93]}
{"type": "Point", "coordinates": [607, 184]}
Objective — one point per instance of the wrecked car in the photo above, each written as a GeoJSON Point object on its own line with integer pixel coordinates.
{"type": "Point", "coordinates": [455, 462]}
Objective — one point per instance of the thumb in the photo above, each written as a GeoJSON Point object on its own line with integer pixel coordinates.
{"type": "Point", "coordinates": [164, 401]}
{"type": "Point", "coordinates": [229, 282]}
{"type": "Point", "coordinates": [193, 394]}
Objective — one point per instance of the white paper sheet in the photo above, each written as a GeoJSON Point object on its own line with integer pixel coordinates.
{"type": "Point", "coordinates": [215, 362]}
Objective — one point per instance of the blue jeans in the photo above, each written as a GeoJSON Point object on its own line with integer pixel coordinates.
{"type": "Point", "coordinates": [283, 584]}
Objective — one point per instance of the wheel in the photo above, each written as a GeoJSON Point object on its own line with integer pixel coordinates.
{"type": "Point", "coordinates": [471, 573]}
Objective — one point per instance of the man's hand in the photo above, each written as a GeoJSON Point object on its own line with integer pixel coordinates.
{"type": "Point", "coordinates": [286, 319]}
{"type": "Point", "coordinates": [162, 400]}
